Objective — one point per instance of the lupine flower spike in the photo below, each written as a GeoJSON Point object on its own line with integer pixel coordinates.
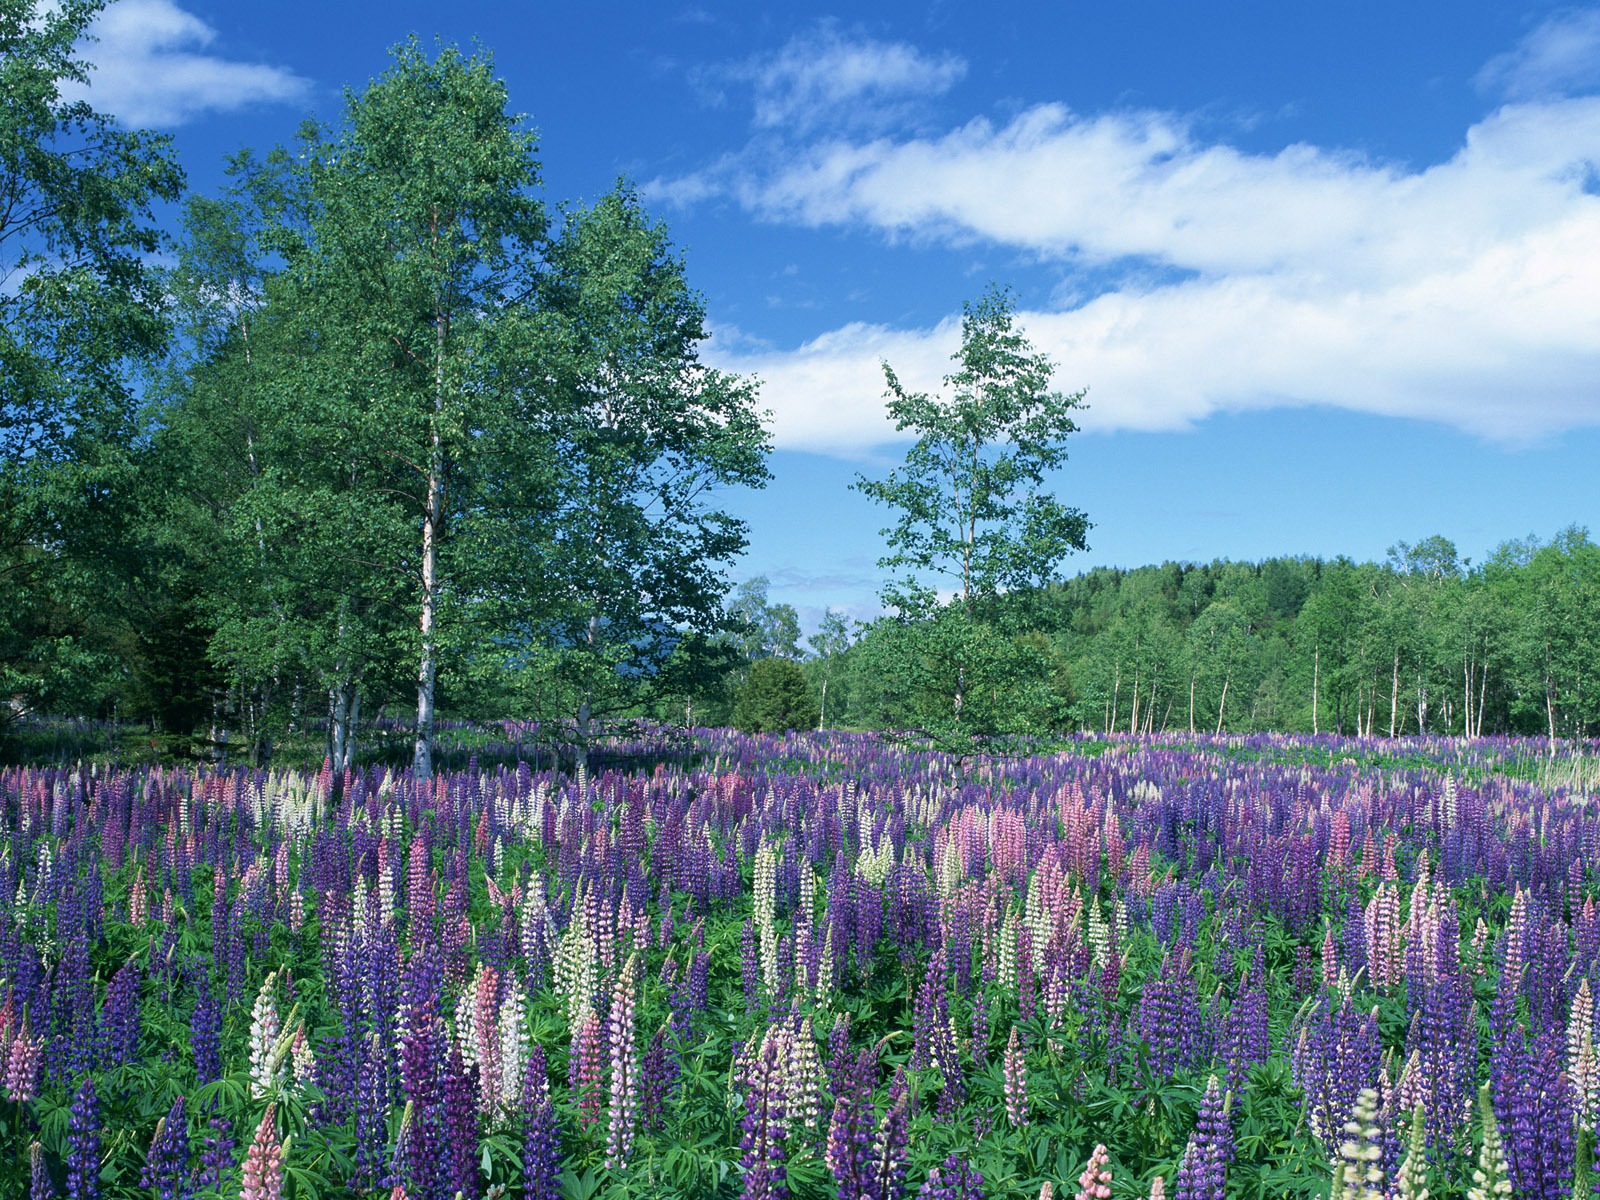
{"type": "Point", "coordinates": [1016, 1081]}
{"type": "Point", "coordinates": [1491, 1180]}
{"type": "Point", "coordinates": [1412, 1180]}
{"type": "Point", "coordinates": [1360, 1174]}
{"type": "Point", "coordinates": [1095, 1182]}
{"type": "Point", "coordinates": [262, 1177]}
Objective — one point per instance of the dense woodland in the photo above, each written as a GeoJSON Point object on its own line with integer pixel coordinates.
{"type": "Point", "coordinates": [1422, 643]}
{"type": "Point", "coordinates": [394, 436]}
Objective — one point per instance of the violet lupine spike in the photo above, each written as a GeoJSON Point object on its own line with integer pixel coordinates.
{"type": "Point", "coordinates": [371, 1112]}
{"type": "Point", "coordinates": [765, 1123]}
{"type": "Point", "coordinates": [216, 1152]}
{"type": "Point", "coordinates": [541, 1136]}
{"type": "Point", "coordinates": [461, 1127]}
{"type": "Point", "coordinates": [119, 1019]}
{"type": "Point", "coordinates": [83, 1143]}
{"type": "Point", "coordinates": [166, 1167]}
{"type": "Point", "coordinates": [889, 1146]}
{"type": "Point", "coordinates": [1204, 1172]}
{"type": "Point", "coordinates": [40, 1185]}
{"type": "Point", "coordinates": [849, 1146]}
{"type": "Point", "coordinates": [954, 1179]}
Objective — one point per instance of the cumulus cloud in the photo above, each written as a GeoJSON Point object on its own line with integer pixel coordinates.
{"type": "Point", "coordinates": [1560, 56]}
{"type": "Point", "coordinates": [150, 68]}
{"type": "Point", "coordinates": [1460, 292]}
{"type": "Point", "coordinates": [824, 79]}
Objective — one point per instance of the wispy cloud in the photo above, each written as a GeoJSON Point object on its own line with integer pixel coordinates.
{"type": "Point", "coordinates": [150, 68]}
{"type": "Point", "coordinates": [1559, 57]}
{"type": "Point", "coordinates": [823, 79]}
{"type": "Point", "coordinates": [1459, 292]}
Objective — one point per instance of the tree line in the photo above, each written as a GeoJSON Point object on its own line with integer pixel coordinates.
{"type": "Point", "coordinates": [1422, 643]}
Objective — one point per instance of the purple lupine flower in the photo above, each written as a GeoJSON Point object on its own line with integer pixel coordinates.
{"type": "Point", "coordinates": [372, 1110]}
{"type": "Point", "coordinates": [119, 1019]}
{"type": "Point", "coordinates": [1025, 976]}
{"type": "Point", "coordinates": [40, 1185]}
{"type": "Point", "coordinates": [83, 1144]}
{"type": "Point", "coordinates": [166, 1167]}
{"type": "Point", "coordinates": [1534, 1109]}
{"type": "Point", "coordinates": [205, 1035]}
{"type": "Point", "coordinates": [216, 1152]}
{"type": "Point", "coordinates": [1168, 1019]}
{"type": "Point", "coordinates": [765, 1122]}
{"type": "Point", "coordinates": [953, 1180]}
{"type": "Point", "coordinates": [1243, 1040]}
{"type": "Point", "coordinates": [849, 1149]}
{"type": "Point", "coordinates": [658, 1071]}
{"type": "Point", "coordinates": [839, 1056]}
{"type": "Point", "coordinates": [1203, 1174]}
{"type": "Point", "coordinates": [749, 968]}
{"type": "Point", "coordinates": [461, 1126]}
{"type": "Point", "coordinates": [888, 1177]}
{"type": "Point", "coordinates": [541, 1136]}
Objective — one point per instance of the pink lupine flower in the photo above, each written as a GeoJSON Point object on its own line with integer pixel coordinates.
{"type": "Point", "coordinates": [1016, 1072]}
{"type": "Point", "coordinates": [1095, 1182]}
{"type": "Point", "coordinates": [586, 1066]}
{"type": "Point", "coordinates": [22, 1065]}
{"type": "Point", "coordinates": [624, 1068]}
{"type": "Point", "coordinates": [262, 1178]}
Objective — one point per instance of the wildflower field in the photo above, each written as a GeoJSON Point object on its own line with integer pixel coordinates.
{"type": "Point", "coordinates": [809, 966]}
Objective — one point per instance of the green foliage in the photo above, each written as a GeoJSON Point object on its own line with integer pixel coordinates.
{"type": "Point", "coordinates": [775, 698]}
{"type": "Point", "coordinates": [79, 308]}
{"type": "Point", "coordinates": [974, 510]}
{"type": "Point", "coordinates": [972, 501]}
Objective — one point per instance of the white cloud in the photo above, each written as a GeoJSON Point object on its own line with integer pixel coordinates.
{"type": "Point", "coordinates": [149, 69]}
{"type": "Point", "coordinates": [1461, 292]}
{"type": "Point", "coordinates": [1560, 56]}
{"type": "Point", "coordinates": [822, 78]}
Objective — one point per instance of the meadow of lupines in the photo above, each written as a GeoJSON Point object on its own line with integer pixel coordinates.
{"type": "Point", "coordinates": [807, 966]}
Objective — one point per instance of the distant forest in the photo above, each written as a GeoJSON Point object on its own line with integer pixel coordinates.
{"type": "Point", "coordinates": [1422, 643]}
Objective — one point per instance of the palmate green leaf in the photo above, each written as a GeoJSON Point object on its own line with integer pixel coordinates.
{"type": "Point", "coordinates": [582, 1187]}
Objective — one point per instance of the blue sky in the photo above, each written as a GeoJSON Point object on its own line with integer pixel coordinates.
{"type": "Point", "coordinates": [1331, 273]}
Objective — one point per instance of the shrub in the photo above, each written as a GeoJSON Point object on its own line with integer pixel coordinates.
{"type": "Point", "coordinates": [775, 698]}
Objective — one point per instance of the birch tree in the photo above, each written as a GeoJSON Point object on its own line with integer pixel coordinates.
{"type": "Point", "coordinates": [423, 237]}
{"type": "Point", "coordinates": [975, 513]}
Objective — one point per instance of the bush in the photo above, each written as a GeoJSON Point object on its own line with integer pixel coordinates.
{"type": "Point", "coordinates": [775, 698]}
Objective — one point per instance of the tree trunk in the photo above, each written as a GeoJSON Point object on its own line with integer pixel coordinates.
{"type": "Point", "coordinates": [1191, 702]}
{"type": "Point", "coordinates": [580, 756]}
{"type": "Point", "coordinates": [344, 712]}
{"type": "Point", "coordinates": [1394, 693]}
{"type": "Point", "coordinates": [1316, 671]}
{"type": "Point", "coordinates": [432, 529]}
{"type": "Point", "coordinates": [822, 713]}
{"type": "Point", "coordinates": [1222, 704]}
